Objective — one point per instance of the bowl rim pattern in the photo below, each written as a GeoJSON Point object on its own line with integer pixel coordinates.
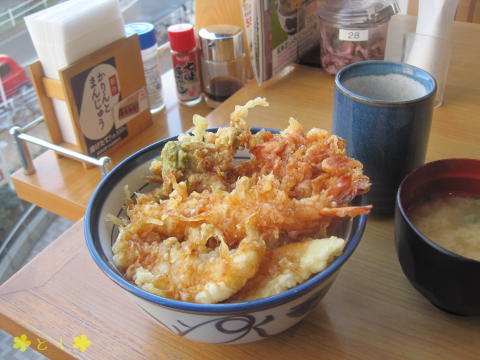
{"type": "Point", "coordinates": [91, 222]}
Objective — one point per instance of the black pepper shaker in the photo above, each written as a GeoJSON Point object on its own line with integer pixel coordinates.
{"type": "Point", "coordinates": [223, 62]}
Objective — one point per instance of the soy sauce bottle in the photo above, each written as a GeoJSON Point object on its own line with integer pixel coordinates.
{"type": "Point", "coordinates": [223, 61]}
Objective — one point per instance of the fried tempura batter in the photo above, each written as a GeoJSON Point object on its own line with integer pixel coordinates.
{"type": "Point", "coordinates": [306, 165]}
{"type": "Point", "coordinates": [202, 235]}
{"type": "Point", "coordinates": [204, 159]}
{"type": "Point", "coordinates": [289, 265]}
{"type": "Point", "coordinates": [278, 214]}
{"type": "Point", "coordinates": [188, 270]}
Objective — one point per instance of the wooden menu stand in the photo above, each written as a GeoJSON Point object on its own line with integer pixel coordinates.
{"type": "Point", "coordinates": [47, 89]}
{"type": "Point", "coordinates": [127, 84]}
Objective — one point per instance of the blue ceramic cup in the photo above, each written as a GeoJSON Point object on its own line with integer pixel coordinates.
{"type": "Point", "coordinates": [383, 110]}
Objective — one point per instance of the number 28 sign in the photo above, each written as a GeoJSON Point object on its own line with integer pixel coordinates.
{"type": "Point", "coordinates": [353, 34]}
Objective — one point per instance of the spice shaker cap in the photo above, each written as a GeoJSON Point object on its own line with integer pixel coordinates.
{"type": "Point", "coordinates": [358, 13]}
{"type": "Point", "coordinates": [145, 32]}
{"type": "Point", "coordinates": [221, 42]}
{"type": "Point", "coordinates": [181, 37]}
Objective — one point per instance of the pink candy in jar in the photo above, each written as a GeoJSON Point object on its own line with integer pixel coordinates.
{"type": "Point", "coordinates": [353, 30]}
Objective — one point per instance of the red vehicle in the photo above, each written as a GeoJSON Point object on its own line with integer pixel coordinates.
{"type": "Point", "coordinates": [14, 79]}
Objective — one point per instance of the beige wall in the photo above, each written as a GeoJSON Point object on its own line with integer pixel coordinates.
{"type": "Point", "coordinates": [468, 10]}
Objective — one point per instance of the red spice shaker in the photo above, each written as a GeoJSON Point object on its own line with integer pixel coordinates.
{"type": "Point", "coordinates": [185, 63]}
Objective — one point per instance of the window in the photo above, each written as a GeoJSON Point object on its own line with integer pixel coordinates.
{"type": "Point", "coordinates": [4, 70]}
{"type": "Point", "coordinates": [16, 215]}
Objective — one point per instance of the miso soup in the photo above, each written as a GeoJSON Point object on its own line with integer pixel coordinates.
{"type": "Point", "coordinates": [451, 221]}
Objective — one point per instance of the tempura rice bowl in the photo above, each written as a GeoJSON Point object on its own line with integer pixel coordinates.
{"type": "Point", "coordinates": [212, 323]}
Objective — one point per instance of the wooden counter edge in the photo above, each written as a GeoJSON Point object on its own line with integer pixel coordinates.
{"type": "Point", "coordinates": [50, 349]}
{"type": "Point", "coordinates": [49, 201]}
{"type": "Point", "coordinates": [16, 327]}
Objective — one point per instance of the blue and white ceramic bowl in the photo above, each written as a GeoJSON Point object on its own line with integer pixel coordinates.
{"type": "Point", "coordinates": [211, 323]}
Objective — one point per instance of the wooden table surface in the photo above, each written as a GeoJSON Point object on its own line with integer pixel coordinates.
{"type": "Point", "coordinates": [371, 311]}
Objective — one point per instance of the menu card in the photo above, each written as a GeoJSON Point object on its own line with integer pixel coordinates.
{"type": "Point", "coordinates": [279, 32]}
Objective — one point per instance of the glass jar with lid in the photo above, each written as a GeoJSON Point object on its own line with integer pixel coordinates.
{"type": "Point", "coordinates": [224, 67]}
{"type": "Point", "coordinates": [353, 30]}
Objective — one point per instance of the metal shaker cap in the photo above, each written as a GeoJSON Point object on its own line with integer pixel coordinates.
{"type": "Point", "coordinates": [221, 42]}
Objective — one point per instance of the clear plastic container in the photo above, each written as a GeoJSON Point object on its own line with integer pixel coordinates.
{"type": "Point", "coordinates": [151, 63]}
{"type": "Point", "coordinates": [353, 30]}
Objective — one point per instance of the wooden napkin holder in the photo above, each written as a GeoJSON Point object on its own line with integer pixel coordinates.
{"type": "Point", "coordinates": [106, 98]}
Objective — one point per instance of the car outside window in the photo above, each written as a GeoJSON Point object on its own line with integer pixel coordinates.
{"type": "Point", "coordinates": [4, 70]}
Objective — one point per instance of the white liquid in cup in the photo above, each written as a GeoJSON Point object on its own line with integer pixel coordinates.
{"type": "Point", "coordinates": [391, 87]}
